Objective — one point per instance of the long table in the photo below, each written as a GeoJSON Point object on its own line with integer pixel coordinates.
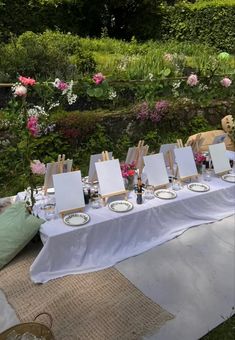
{"type": "Point", "coordinates": [110, 237]}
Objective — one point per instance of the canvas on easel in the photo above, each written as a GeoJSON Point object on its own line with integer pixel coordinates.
{"type": "Point", "coordinates": [219, 158]}
{"type": "Point", "coordinates": [135, 154]}
{"type": "Point", "coordinates": [186, 166]}
{"type": "Point", "coordinates": [56, 168]}
{"type": "Point", "coordinates": [155, 170]}
{"type": "Point", "coordinates": [168, 153]}
{"type": "Point", "coordinates": [110, 178]}
{"type": "Point", "coordinates": [92, 175]}
{"type": "Point", "coordinates": [69, 192]}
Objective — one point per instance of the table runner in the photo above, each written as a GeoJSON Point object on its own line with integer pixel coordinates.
{"type": "Point", "coordinates": [110, 237]}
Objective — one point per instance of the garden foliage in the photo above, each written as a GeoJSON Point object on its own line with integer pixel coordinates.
{"type": "Point", "coordinates": [211, 22]}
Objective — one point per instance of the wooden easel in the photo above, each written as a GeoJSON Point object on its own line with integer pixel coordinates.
{"type": "Point", "coordinates": [70, 211]}
{"type": "Point", "coordinates": [105, 156]}
{"type": "Point", "coordinates": [60, 164]}
{"type": "Point", "coordinates": [140, 152]}
{"type": "Point", "coordinates": [169, 157]}
{"type": "Point", "coordinates": [179, 143]}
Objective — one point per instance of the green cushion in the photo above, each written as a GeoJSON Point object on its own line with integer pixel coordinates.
{"type": "Point", "coordinates": [17, 228]}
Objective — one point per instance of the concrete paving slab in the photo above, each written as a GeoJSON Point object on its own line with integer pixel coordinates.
{"type": "Point", "coordinates": [192, 276]}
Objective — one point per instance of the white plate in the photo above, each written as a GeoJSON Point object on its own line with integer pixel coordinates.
{"type": "Point", "coordinates": [51, 190]}
{"type": "Point", "coordinates": [198, 187]}
{"type": "Point", "coordinates": [120, 206]}
{"type": "Point", "coordinates": [229, 178]}
{"type": "Point", "coordinates": [76, 219]}
{"type": "Point", "coordinates": [165, 194]}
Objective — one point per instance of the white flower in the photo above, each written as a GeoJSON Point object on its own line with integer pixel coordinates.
{"type": "Point", "coordinates": [20, 91]}
{"type": "Point", "coordinates": [112, 94]}
{"type": "Point", "coordinates": [56, 82]}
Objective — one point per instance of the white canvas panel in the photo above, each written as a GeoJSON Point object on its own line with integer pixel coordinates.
{"type": "Point", "coordinates": [109, 177]}
{"type": "Point", "coordinates": [219, 158]}
{"type": "Point", "coordinates": [131, 155]}
{"type": "Point", "coordinates": [185, 161]}
{"type": "Point", "coordinates": [92, 175]}
{"type": "Point", "coordinates": [68, 191]}
{"type": "Point", "coordinates": [155, 170]}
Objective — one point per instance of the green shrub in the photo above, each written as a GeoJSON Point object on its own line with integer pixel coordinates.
{"type": "Point", "coordinates": [211, 22]}
{"type": "Point", "coordinates": [45, 57]}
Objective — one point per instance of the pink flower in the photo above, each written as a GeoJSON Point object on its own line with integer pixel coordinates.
{"type": "Point", "coordinates": [62, 86]}
{"type": "Point", "coordinates": [27, 81]}
{"type": "Point", "coordinates": [226, 82]}
{"type": "Point", "coordinates": [37, 167]}
{"type": "Point", "coordinates": [168, 57]}
{"type": "Point", "coordinates": [32, 126]}
{"type": "Point", "coordinates": [20, 91]}
{"type": "Point", "coordinates": [199, 158]}
{"type": "Point", "coordinates": [98, 78]}
{"type": "Point", "coordinates": [192, 80]}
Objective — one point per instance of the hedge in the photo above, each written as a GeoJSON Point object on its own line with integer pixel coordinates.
{"type": "Point", "coordinates": [211, 22]}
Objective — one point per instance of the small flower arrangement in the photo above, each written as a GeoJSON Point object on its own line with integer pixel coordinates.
{"type": "Point", "coordinates": [199, 158]}
{"type": "Point", "coordinates": [128, 173]}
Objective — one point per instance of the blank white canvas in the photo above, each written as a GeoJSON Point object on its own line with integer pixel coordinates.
{"type": "Point", "coordinates": [168, 147]}
{"type": "Point", "coordinates": [53, 169]}
{"type": "Point", "coordinates": [92, 176]}
{"type": "Point", "coordinates": [131, 154]}
{"type": "Point", "coordinates": [109, 177]}
{"type": "Point", "coordinates": [219, 158]}
{"type": "Point", "coordinates": [68, 191]}
{"type": "Point", "coordinates": [185, 161]}
{"type": "Point", "coordinates": [155, 170]}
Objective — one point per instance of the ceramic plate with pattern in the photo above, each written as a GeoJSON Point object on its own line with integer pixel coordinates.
{"type": "Point", "coordinates": [165, 194]}
{"type": "Point", "coordinates": [229, 178]}
{"type": "Point", "coordinates": [198, 187]}
{"type": "Point", "coordinates": [76, 219]}
{"type": "Point", "coordinates": [120, 206]}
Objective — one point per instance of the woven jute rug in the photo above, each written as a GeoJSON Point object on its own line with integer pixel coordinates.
{"type": "Point", "coordinates": [103, 305]}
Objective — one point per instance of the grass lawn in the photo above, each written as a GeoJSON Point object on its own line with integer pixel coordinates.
{"type": "Point", "coordinates": [225, 331]}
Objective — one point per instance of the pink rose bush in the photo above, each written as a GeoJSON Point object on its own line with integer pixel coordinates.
{"type": "Point", "coordinates": [192, 80]}
{"type": "Point", "coordinates": [226, 82]}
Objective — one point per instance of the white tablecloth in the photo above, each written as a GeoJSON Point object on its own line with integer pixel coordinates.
{"type": "Point", "coordinates": [110, 237]}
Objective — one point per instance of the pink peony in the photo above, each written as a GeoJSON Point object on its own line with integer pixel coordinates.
{"type": "Point", "coordinates": [226, 82]}
{"type": "Point", "coordinates": [98, 78]}
{"type": "Point", "coordinates": [20, 91]}
{"type": "Point", "coordinates": [37, 167]}
{"type": "Point", "coordinates": [27, 81]}
{"type": "Point", "coordinates": [192, 80]}
{"type": "Point", "coordinates": [32, 125]}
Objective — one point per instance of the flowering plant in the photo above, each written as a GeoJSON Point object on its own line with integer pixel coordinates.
{"type": "Point", "coordinates": [199, 158]}
{"type": "Point", "coordinates": [128, 173]}
{"type": "Point", "coordinates": [27, 122]}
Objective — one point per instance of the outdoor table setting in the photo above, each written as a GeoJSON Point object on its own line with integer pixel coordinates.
{"type": "Point", "coordinates": [100, 223]}
{"type": "Point", "coordinates": [108, 237]}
